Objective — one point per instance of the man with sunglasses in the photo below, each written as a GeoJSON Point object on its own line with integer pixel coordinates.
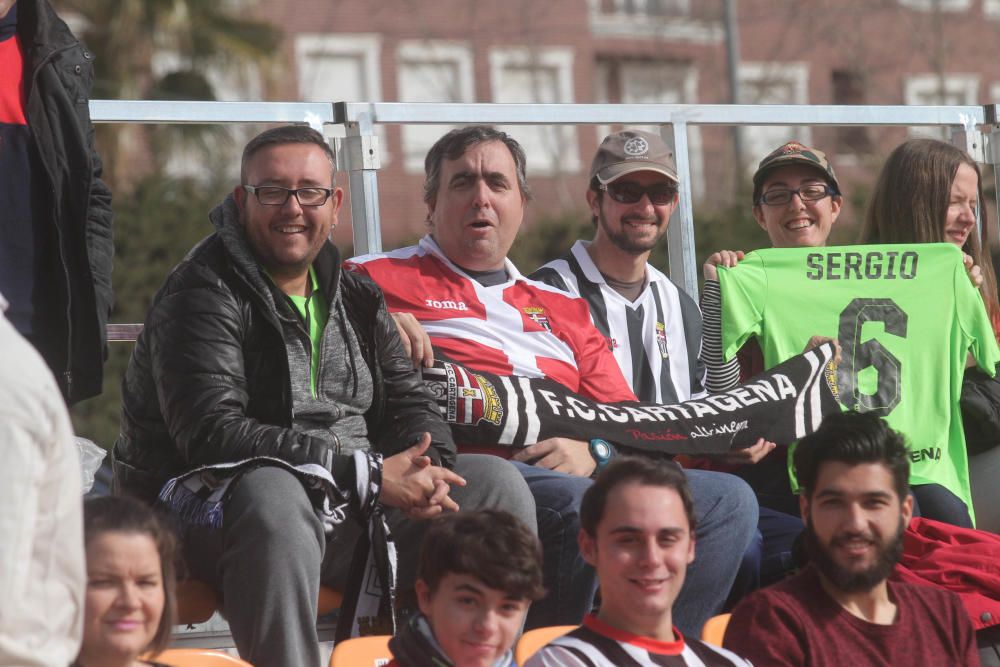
{"type": "Point", "coordinates": [652, 327]}
{"type": "Point", "coordinates": [270, 405]}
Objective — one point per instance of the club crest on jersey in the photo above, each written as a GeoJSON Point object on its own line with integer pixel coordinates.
{"type": "Point", "coordinates": [471, 398]}
{"type": "Point", "coordinates": [661, 339]}
{"type": "Point", "coordinates": [537, 315]}
{"type": "Point", "coordinates": [830, 375]}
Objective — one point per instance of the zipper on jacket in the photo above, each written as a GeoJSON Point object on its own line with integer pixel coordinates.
{"type": "Point", "coordinates": [67, 373]}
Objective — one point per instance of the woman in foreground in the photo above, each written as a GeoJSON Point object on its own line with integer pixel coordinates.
{"type": "Point", "coordinates": [130, 598]}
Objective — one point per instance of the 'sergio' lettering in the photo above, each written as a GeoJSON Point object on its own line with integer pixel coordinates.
{"type": "Point", "coordinates": [873, 265]}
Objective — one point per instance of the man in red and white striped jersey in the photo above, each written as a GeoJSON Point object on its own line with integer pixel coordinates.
{"type": "Point", "coordinates": [477, 309]}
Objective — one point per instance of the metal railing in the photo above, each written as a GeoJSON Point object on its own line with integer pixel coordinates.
{"type": "Point", "coordinates": [973, 128]}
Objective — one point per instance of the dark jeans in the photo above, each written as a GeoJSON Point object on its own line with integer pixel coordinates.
{"type": "Point", "coordinates": [933, 501]}
{"type": "Point", "coordinates": [769, 557]}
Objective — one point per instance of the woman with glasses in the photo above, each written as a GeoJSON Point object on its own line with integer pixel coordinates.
{"type": "Point", "coordinates": [929, 192]}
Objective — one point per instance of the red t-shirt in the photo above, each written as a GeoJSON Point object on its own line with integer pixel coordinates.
{"type": "Point", "coordinates": [796, 623]}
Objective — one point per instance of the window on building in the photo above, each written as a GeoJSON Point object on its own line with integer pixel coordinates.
{"type": "Point", "coordinates": [937, 5]}
{"type": "Point", "coordinates": [201, 155]}
{"type": "Point", "coordinates": [431, 72]}
{"type": "Point", "coordinates": [646, 8]}
{"type": "Point", "coordinates": [341, 68]}
{"type": "Point", "coordinates": [850, 87]}
{"type": "Point", "coordinates": [930, 89]}
{"type": "Point", "coordinates": [670, 20]}
{"type": "Point", "coordinates": [538, 76]}
{"type": "Point", "coordinates": [652, 82]}
{"type": "Point", "coordinates": [767, 83]}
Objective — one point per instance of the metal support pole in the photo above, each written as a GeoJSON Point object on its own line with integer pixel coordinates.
{"type": "Point", "coordinates": [733, 61]}
{"type": "Point", "coordinates": [361, 160]}
{"type": "Point", "coordinates": [680, 233]}
{"type": "Point", "coordinates": [991, 156]}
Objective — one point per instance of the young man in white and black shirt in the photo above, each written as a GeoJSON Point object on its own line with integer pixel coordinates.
{"type": "Point", "coordinates": [652, 327]}
{"type": "Point", "coordinates": [637, 530]}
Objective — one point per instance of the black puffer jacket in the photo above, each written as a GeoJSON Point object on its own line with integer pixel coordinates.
{"type": "Point", "coordinates": [209, 380]}
{"type": "Point", "coordinates": [61, 74]}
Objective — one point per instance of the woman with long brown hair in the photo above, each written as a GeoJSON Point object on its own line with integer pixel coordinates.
{"type": "Point", "coordinates": [930, 191]}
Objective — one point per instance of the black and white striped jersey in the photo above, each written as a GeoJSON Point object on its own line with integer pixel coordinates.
{"type": "Point", "coordinates": [596, 644]}
{"type": "Point", "coordinates": [656, 339]}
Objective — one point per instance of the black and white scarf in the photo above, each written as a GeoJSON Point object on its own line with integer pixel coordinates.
{"type": "Point", "coordinates": [779, 405]}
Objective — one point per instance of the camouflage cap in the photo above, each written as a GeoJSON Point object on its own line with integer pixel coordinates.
{"type": "Point", "coordinates": [793, 153]}
{"type": "Point", "coordinates": [629, 151]}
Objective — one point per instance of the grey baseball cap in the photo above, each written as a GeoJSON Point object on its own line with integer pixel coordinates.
{"type": "Point", "coordinates": [793, 152]}
{"type": "Point", "coordinates": [630, 151]}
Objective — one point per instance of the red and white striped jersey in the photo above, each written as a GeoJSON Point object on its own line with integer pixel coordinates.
{"type": "Point", "coordinates": [519, 327]}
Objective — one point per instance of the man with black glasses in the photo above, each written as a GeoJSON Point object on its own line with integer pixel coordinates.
{"type": "Point", "coordinates": [269, 404]}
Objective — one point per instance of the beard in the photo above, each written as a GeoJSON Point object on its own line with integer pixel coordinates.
{"type": "Point", "coordinates": [888, 553]}
{"type": "Point", "coordinates": [623, 241]}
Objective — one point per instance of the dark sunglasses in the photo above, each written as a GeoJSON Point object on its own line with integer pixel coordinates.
{"type": "Point", "coordinates": [660, 194]}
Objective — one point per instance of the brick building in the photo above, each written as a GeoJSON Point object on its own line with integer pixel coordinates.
{"type": "Point", "coordinates": [632, 51]}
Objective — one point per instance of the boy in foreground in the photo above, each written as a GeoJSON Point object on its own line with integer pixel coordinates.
{"type": "Point", "coordinates": [478, 574]}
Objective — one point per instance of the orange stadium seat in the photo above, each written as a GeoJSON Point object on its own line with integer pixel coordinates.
{"type": "Point", "coordinates": [532, 640]}
{"type": "Point", "coordinates": [715, 629]}
{"type": "Point", "coordinates": [197, 657]}
{"type": "Point", "coordinates": [362, 652]}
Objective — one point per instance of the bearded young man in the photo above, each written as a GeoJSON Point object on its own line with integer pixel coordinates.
{"type": "Point", "coordinates": [841, 609]}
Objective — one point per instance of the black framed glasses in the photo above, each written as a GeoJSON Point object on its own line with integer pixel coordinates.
{"type": "Point", "coordinates": [810, 192]}
{"type": "Point", "coordinates": [273, 195]}
{"type": "Point", "coordinates": [660, 194]}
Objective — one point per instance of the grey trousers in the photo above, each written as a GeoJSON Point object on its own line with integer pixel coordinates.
{"type": "Point", "coordinates": [271, 554]}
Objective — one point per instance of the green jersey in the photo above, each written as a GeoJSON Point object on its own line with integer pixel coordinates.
{"type": "Point", "coordinates": [905, 317]}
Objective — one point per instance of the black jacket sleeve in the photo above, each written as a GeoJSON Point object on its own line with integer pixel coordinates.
{"type": "Point", "coordinates": [980, 404]}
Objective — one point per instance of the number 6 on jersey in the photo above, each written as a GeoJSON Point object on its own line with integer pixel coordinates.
{"type": "Point", "coordinates": [859, 356]}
